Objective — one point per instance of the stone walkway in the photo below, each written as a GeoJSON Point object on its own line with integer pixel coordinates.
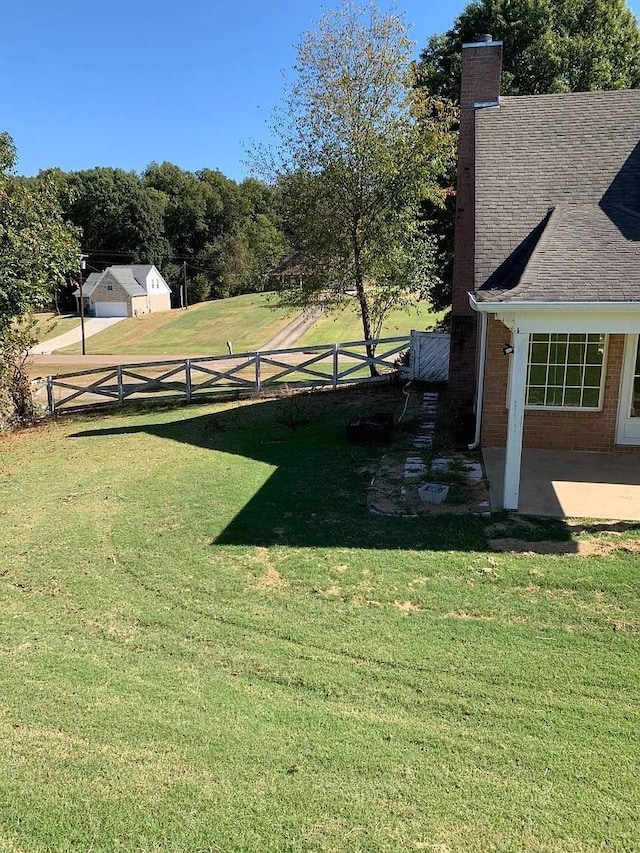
{"type": "Point", "coordinates": [404, 471]}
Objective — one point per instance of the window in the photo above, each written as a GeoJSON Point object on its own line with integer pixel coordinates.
{"type": "Point", "coordinates": [565, 371]}
{"type": "Point", "coordinates": [109, 287]}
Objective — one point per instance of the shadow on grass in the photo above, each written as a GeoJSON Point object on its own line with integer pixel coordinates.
{"type": "Point", "coordinates": [317, 495]}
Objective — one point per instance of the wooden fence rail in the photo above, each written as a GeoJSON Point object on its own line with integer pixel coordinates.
{"type": "Point", "coordinates": [249, 373]}
{"type": "Point", "coordinates": [192, 378]}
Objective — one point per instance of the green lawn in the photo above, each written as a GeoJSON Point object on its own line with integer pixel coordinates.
{"type": "Point", "coordinates": [50, 325]}
{"type": "Point", "coordinates": [247, 321]}
{"type": "Point", "coordinates": [209, 644]}
{"type": "Point", "coordinates": [346, 325]}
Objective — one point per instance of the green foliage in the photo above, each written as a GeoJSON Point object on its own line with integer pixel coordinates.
{"type": "Point", "coordinates": [357, 153]}
{"type": "Point", "coordinates": [117, 216]}
{"type": "Point", "coordinates": [37, 251]}
{"type": "Point", "coordinates": [549, 46]}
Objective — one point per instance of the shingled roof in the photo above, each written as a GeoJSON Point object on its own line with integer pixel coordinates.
{"type": "Point", "coordinates": [558, 198]}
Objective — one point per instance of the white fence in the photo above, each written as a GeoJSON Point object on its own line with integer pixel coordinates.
{"type": "Point", "coordinates": [248, 373]}
{"type": "Point", "coordinates": [429, 360]}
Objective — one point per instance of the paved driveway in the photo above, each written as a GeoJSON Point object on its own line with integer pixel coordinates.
{"type": "Point", "coordinates": [92, 325]}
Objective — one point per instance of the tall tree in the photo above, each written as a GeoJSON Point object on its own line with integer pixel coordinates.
{"type": "Point", "coordinates": [37, 251]}
{"type": "Point", "coordinates": [357, 151]}
{"type": "Point", "coordinates": [550, 46]}
{"type": "Point", "coordinates": [119, 217]}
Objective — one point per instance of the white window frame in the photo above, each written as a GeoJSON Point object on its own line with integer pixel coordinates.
{"type": "Point", "coordinates": [603, 373]}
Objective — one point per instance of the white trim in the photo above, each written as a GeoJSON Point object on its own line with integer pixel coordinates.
{"type": "Point", "coordinates": [483, 105]}
{"type": "Point", "coordinates": [596, 317]}
{"type": "Point", "coordinates": [518, 307]}
{"type": "Point", "coordinates": [626, 388]}
{"type": "Point", "coordinates": [515, 423]}
{"type": "Point", "coordinates": [484, 322]}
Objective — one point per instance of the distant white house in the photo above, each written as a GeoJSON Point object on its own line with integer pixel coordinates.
{"type": "Point", "coordinates": [125, 291]}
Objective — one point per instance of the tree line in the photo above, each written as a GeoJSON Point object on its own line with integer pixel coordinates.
{"type": "Point", "coordinates": [225, 235]}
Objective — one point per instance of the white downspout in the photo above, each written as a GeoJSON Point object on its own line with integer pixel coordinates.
{"type": "Point", "coordinates": [481, 368]}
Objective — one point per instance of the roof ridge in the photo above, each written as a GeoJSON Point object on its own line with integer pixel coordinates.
{"type": "Point", "coordinates": [554, 216]}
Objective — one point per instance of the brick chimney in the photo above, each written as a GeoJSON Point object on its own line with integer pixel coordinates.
{"type": "Point", "coordinates": [480, 88]}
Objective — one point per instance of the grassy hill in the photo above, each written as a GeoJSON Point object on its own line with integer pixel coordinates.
{"type": "Point", "coordinates": [209, 644]}
{"type": "Point", "coordinates": [49, 325]}
{"type": "Point", "coordinates": [247, 321]}
{"type": "Point", "coordinates": [346, 325]}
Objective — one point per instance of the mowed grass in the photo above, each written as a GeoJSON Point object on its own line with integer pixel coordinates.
{"type": "Point", "coordinates": [346, 325]}
{"type": "Point", "coordinates": [247, 321]}
{"type": "Point", "coordinates": [49, 324]}
{"type": "Point", "coordinates": [209, 644]}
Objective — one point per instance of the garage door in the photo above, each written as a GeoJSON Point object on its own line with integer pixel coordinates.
{"type": "Point", "coordinates": [111, 309]}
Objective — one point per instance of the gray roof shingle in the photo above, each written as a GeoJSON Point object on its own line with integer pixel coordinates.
{"type": "Point", "coordinates": [558, 198]}
{"type": "Point", "coordinates": [124, 276]}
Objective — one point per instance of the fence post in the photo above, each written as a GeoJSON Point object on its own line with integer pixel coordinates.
{"type": "Point", "coordinates": [414, 346]}
{"type": "Point", "coordinates": [51, 397]}
{"type": "Point", "coordinates": [258, 377]}
{"type": "Point", "coordinates": [120, 385]}
{"type": "Point", "coordinates": [334, 376]}
{"type": "Point", "coordinates": [187, 378]}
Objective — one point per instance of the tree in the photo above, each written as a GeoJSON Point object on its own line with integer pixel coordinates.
{"type": "Point", "coordinates": [121, 219]}
{"type": "Point", "coordinates": [550, 46]}
{"type": "Point", "coordinates": [357, 152]}
{"type": "Point", "coordinates": [37, 250]}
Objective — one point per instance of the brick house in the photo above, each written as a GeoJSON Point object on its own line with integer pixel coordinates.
{"type": "Point", "coordinates": [125, 291]}
{"type": "Point", "coordinates": [546, 290]}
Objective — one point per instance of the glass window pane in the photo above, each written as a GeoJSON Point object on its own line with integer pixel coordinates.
{"type": "Point", "coordinates": [556, 374]}
{"type": "Point", "coordinates": [554, 396]}
{"type": "Point", "coordinates": [574, 377]}
{"type": "Point", "coordinates": [592, 376]}
{"type": "Point", "coordinates": [595, 354]}
{"type": "Point", "coordinates": [539, 353]}
{"type": "Point", "coordinates": [565, 370]}
{"type": "Point", "coordinates": [591, 398]}
{"type": "Point", "coordinates": [572, 397]}
{"type": "Point", "coordinates": [535, 397]}
{"type": "Point", "coordinates": [537, 374]}
{"type": "Point", "coordinates": [575, 354]}
{"type": "Point", "coordinates": [635, 403]}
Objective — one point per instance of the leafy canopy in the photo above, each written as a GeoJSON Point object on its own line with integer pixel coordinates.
{"type": "Point", "coordinates": [549, 46]}
{"type": "Point", "coordinates": [357, 150]}
{"type": "Point", "coordinates": [37, 248]}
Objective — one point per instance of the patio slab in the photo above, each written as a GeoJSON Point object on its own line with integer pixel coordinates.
{"type": "Point", "coordinates": [571, 484]}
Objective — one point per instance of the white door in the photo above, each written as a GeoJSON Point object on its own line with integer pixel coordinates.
{"type": "Point", "coordinates": [111, 309]}
{"type": "Point", "coordinates": [628, 431]}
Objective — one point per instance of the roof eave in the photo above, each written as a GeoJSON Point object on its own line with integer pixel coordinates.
{"type": "Point", "coordinates": [523, 307]}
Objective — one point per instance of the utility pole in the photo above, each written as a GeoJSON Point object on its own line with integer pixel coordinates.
{"type": "Point", "coordinates": [185, 301]}
{"type": "Point", "coordinates": [81, 266]}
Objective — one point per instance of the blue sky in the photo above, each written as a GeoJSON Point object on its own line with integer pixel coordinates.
{"type": "Point", "coordinates": [120, 83]}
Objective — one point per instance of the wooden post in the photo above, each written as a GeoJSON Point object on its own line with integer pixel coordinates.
{"type": "Point", "coordinates": [335, 367]}
{"type": "Point", "coordinates": [515, 424]}
{"type": "Point", "coordinates": [258, 377]}
{"type": "Point", "coordinates": [51, 397]}
{"type": "Point", "coordinates": [120, 385]}
{"type": "Point", "coordinates": [187, 379]}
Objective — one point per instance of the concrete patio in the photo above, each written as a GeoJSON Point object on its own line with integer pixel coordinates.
{"type": "Point", "coordinates": [571, 484]}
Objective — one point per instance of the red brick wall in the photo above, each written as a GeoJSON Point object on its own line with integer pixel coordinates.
{"type": "Point", "coordinates": [481, 69]}
{"type": "Point", "coordinates": [545, 430]}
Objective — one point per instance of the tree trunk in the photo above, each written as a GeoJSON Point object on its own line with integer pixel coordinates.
{"type": "Point", "coordinates": [364, 306]}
